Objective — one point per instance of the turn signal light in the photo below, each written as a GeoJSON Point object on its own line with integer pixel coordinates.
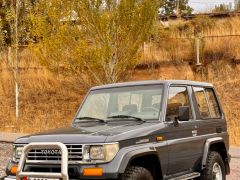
{"type": "Point", "coordinates": [13, 169]}
{"type": "Point", "coordinates": [159, 138]}
{"type": "Point", "coordinates": [92, 171]}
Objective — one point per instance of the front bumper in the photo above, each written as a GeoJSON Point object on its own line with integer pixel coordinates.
{"type": "Point", "coordinates": [104, 176]}
{"type": "Point", "coordinates": [74, 171]}
{"type": "Point", "coordinates": [10, 178]}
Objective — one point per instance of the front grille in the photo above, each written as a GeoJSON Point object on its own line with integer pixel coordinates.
{"type": "Point", "coordinates": [44, 155]}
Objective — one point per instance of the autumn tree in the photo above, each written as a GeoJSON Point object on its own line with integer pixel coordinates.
{"type": "Point", "coordinates": [7, 16]}
{"type": "Point", "coordinates": [95, 40]}
{"type": "Point", "coordinates": [1, 34]}
{"type": "Point", "coordinates": [221, 8]}
{"type": "Point", "coordinates": [14, 32]}
{"type": "Point", "coordinates": [237, 5]}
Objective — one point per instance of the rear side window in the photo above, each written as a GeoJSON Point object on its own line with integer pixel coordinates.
{"type": "Point", "coordinates": [207, 103]}
{"type": "Point", "coordinates": [202, 102]}
{"type": "Point", "coordinates": [213, 104]}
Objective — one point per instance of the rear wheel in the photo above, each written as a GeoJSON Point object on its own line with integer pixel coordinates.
{"type": "Point", "coordinates": [215, 168]}
{"type": "Point", "coordinates": [136, 173]}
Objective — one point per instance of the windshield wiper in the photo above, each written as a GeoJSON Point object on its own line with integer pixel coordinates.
{"type": "Point", "coordinates": [91, 119]}
{"type": "Point", "coordinates": [127, 117]}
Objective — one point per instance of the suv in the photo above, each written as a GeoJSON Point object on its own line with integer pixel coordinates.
{"type": "Point", "coordinates": [137, 130]}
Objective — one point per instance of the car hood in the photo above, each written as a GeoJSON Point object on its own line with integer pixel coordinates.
{"type": "Point", "coordinates": [91, 133]}
{"type": "Point", "coordinates": [88, 133]}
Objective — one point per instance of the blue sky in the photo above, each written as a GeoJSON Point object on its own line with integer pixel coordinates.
{"type": "Point", "coordinates": [206, 5]}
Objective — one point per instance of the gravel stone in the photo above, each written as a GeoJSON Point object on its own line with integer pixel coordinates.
{"type": "Point", "coordinates": [5, 156]}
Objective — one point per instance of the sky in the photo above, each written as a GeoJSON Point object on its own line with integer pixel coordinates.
{"type": "Point", "coordinates": [207, 5]}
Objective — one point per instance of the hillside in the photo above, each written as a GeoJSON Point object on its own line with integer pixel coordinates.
{"type": "Point", "coordinates": [49, 100]}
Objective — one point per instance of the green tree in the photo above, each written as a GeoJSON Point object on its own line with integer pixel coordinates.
{"type": "Point", "coordinates": [97, 41]}
{"type": "Point", "coordinates": [170, 7]}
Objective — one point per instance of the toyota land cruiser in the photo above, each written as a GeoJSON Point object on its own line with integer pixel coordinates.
{"type": "Point", "coordinates": [137, 130]}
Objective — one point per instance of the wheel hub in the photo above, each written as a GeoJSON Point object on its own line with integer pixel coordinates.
{"type": "Point", "coordinates": [217, 172]}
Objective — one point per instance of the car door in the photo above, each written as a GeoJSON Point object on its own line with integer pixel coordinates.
{"type": "Point", "coordinates": [210, 119]}
{"type": "Point", "coordinates": [182, 142]}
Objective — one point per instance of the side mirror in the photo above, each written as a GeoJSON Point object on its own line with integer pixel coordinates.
{"type": "Point", "coordinates": [183, 113]}
{"type": "Point", "coordinates": [175, 122]}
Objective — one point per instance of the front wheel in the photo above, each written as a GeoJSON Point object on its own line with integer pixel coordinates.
{"type": "Point", "coordinates": [136, 173]}
{"type": "Point", "coordinates": [215, 168]}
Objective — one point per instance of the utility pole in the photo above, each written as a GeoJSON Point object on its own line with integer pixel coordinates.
{"type": "Point", "coordinates": [16, 61]}
{"type": "Point", "coordinates": [178, 8]}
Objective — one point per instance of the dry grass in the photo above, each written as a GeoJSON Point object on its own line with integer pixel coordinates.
{"type": "Point", "coordinates": [229, 94]}
{"type": "Point", "coordinates": [169, 50]}
{"type": "Point", "coordinates": [224, 26]}
{"type": "Point", "coordinates": [212, 48]}
{"type": "Point", "coordinates": [48, 100]}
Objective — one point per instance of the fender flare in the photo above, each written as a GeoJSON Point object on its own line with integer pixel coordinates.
{"type": "Point", "coordinates": [207, 145]}
{"type": "Point", "coordinates": [128, 157]}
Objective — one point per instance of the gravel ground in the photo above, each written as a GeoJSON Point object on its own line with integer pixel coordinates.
{"type": "Point", "coordinates": [235, 164]}
{"type": "Point", "coordinates": [5, 155]}
{"type": "Point", "coordinates": [6, 152]}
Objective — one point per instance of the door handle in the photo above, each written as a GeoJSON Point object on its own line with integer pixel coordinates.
{"type": "Point", "coordinates": [219, 129]}
{"type": "Point", "coordinates": [194, 132]}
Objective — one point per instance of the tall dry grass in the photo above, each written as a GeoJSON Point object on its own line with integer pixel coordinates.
{"type": "Point", "coordinates": [167, 48]}
{"type": "Point", "coordinates": [50, 100]}
{"type": "Point", "coordinates": [47, 100]}
{"type": "Point", "coordinates": [224, 26]}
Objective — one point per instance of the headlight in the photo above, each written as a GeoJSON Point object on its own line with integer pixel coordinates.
{"type": "Point", "coordinates": [97, 152]}
{"type": "Point", "coordinates": [17, 152]}
{"type": "Point", "coordinates": [100, 153]}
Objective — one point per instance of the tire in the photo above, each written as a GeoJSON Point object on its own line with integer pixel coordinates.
{"type": "Point", "coordinates": [215, 168]}
{"type": "Point", "coordinates": [136, 173]}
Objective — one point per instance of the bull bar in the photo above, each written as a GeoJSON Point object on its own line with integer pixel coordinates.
{"type": "Point", "coordinates": [46, 145]}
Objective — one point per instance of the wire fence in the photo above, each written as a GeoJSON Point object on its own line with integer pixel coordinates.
{"type": "Point", "coordinates": [182, 48]}
{"type": "Point", "coordinates": [198, 49]}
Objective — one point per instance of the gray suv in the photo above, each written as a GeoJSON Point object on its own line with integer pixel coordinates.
{"type": "Point", "coordinates": [137, 130]}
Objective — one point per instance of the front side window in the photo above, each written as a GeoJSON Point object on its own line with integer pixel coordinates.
{"type": "Point", "coordinates": [138, 101]}
{"type": "Point", "coordinates": [178, 96]}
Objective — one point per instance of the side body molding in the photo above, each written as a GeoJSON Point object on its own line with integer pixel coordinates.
{"type": "Point", "coordinates": [206, 148]}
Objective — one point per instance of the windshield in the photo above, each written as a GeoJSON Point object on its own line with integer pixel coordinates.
{"type": "Point", "coordinates": [137, 101]}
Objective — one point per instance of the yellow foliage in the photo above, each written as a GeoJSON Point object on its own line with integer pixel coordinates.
{"type": "Point", "coordinates": [97, 41]}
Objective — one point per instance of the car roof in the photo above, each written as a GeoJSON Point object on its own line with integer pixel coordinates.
{"type": "Point", "coordinates": [153, 82]}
